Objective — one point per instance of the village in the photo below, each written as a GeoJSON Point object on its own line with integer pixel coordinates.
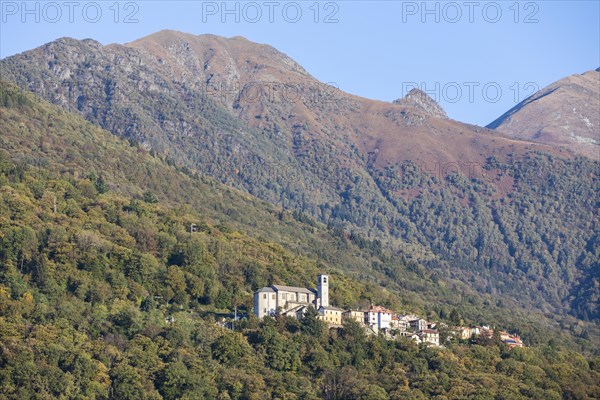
{"type": "Point", "coordinates": [376, 320]}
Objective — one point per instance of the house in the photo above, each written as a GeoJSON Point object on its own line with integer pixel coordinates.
{"type": "Point", "coordinates": [430, 336]}
{"type": "Point", "coordinates": [331, 315]}
{"type": "Point", "coordinates": [403, 322]}
{"type": "Point", "coordinates": [412, 336]}
{"type": "Point", "coordinates": [289, 300]}
{"type": "Point", "coordinates": [462, 332]}
{"type": "Point", "coordinates": [485, 332]}
{"type": "Point", "coordinates": [418, 324]}
{"type": "Point", "coordinates": [399, 323]}
{"type": "Point", "coordinates": [358, 316]}
{"type": "Point", "coordinates": [378, 318]}
{"type": "Point", "coordinates": [510, 340]}
{"type": "Point", "coordinates": [513, 342]}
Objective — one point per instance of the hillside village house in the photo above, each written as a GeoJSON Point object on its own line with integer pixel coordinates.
{"type": "Point", "coordinates": [378, 318]}
{"type": "Point", "coordinates": [511, 341]}
{"type": "Point", "coordinates": [465, 333]}
{"type": "Point", "coordinates": [418, 324]}
{"type": "Point", "coordinates": [430, 336]}
{"type": "Point", "coordinates": [400, 323]}
{"type": "Point", "coordinates": [331, 315]}
{"type": "Point", "coordinates": [357, 315]}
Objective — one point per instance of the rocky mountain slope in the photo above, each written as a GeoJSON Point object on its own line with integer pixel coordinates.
{"type": "Point", "coordinates": [470, 204]}
{"type": "Point", "coordinates": [565, 113]}
{"type": "Point", "coordinates": [420, 100]}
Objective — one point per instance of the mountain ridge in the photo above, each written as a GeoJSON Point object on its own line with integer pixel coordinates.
{"type": "Point", "coordinates": [407, 121]}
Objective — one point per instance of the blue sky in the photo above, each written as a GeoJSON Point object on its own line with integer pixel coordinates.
{"type": "Point", "coordinates": [477, 58]}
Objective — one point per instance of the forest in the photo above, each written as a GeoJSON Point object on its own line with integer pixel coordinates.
{"type": "Point", "coordinates": [106, 294]}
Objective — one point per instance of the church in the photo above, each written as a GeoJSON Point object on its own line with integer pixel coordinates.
{"type": "Point", "coordinates": [291, 300]}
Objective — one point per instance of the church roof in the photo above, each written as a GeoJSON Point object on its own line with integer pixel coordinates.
{"type": "Point", "coordinates": [293, 289]}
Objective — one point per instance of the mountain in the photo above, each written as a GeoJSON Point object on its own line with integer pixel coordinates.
{"type": "Point", "coordinates": [41, 142]}
{"type": "Point", "coordinates": [269, 91]}
{"type": "Point", "coordinates": [565, 113]}
{"type": "Point", "coordinates": [464, 202]}
{"type": "Point", "coordinates": [259, 85]}
{"type": "Point", "coordinates": [106, 294]}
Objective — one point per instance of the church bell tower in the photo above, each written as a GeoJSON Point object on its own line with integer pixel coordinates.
{"type": "Point", "coordinates": [323, 290]}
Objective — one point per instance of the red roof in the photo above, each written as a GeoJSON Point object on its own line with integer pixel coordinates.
{"type": "Point", "coordinates": [380, 309]}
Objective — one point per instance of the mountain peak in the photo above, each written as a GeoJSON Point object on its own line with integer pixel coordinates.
{"type": "Point", "coordinates": [211, 54]}
{"type": "Point", "coordinates": [419, 99]}
{"type": "Point", "coordinates": [565, 113]}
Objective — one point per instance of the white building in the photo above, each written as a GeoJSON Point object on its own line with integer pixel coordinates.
{"type": "Point", "coordinates": [265, 302]}
{"type": "Point", "coordinates": [400, 323]}
{"type": "Point", "coordinates": [430, 336]}
{"type": "Point", "coordinates": [290, 299]}
{"type": "Point", "coordinates": [419, 324]}
{"type": "Point", "coordinates": [378, 318]}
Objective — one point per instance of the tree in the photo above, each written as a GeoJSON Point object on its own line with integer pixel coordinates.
{"type": "Point", "coordinates": [150, 197]}
{"type": "Point", "coordinates": [175, 379]}
{"type": "Point", "coordinates": [455, 318]}
{"type": "Point", "coordinates": [127, 385]}
{"type": "Point", "coordinates": [175, 279]}
{"type": "Point", "coordinates": [99, 183]}
{"type": "Point", "coordinates": [230, 348]}
{"type": "Point", "coordinates": [311, 324]}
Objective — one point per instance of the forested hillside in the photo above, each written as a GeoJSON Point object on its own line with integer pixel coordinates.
{"type": "Point", "coordinates": [542, 235]}
{"type": "Point", "coordinates": [106, 294]}
{"type": "Point", "coordinates": [506, 217]}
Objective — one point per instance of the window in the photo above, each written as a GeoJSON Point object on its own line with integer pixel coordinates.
{"type": "Point", "coordinates": [273, 296]}
{"type": "Point", "coordinates": [324, 279]}
{"type": "Point", "coordinates": [264, 296]}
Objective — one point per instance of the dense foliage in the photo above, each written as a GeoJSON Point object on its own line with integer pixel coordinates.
{"type": "Point", "coordinates": [118, 351]}
{"type": "Point", "coordinates": [105, 293]}
{"type": "Point", "coordinates": [541, 238]}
